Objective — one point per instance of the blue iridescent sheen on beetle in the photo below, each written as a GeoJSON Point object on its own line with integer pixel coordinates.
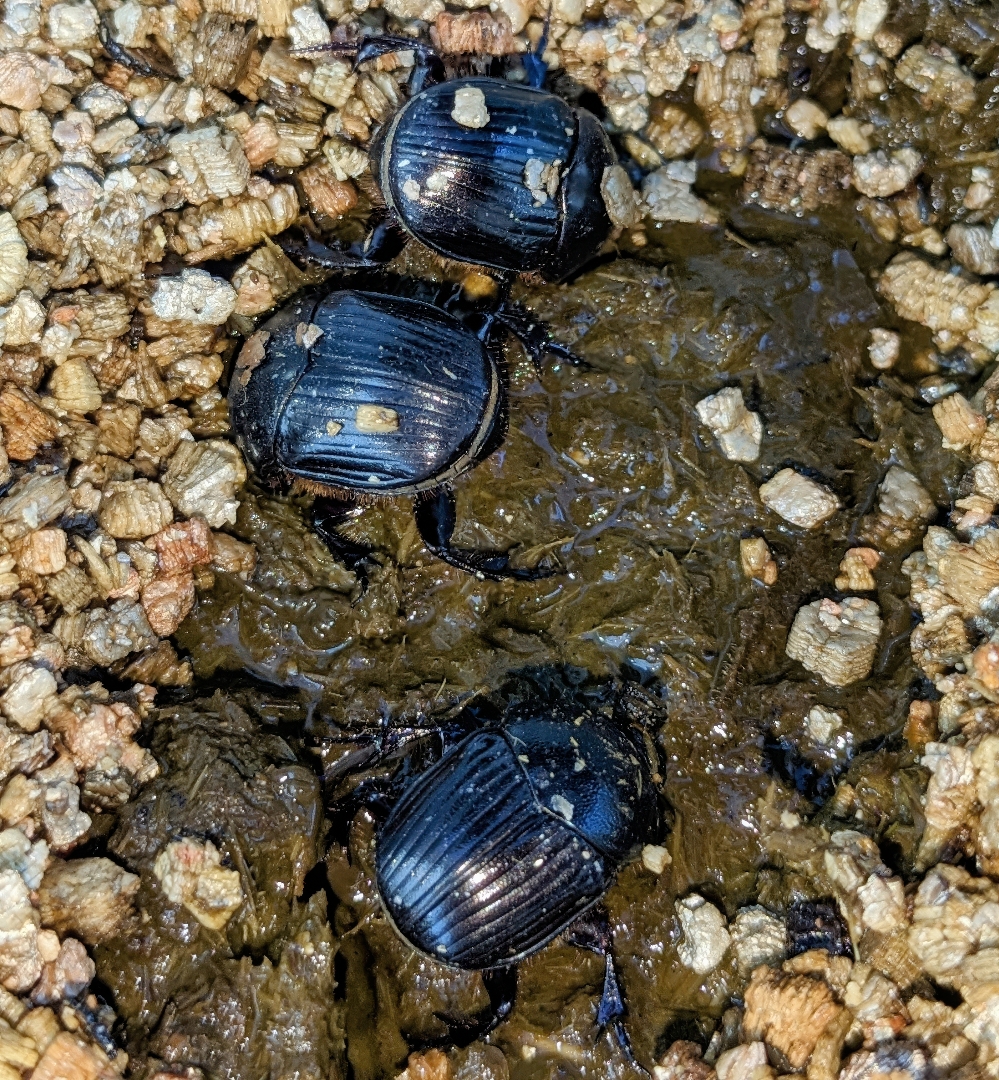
{"type": "Point", "coordinates": [516, 183]}
{"type": "Point", "coordinates": [522, 193]}
{"type": "Point", "coordinates": [514, 837]}
{"type": "Point", "coordinates": [357, 394]}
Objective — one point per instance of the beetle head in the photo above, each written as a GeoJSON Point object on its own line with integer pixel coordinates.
{"type": "Point", "coordinates": [269, 365]}
{"type": "Point", "coordinates": [585, 222]}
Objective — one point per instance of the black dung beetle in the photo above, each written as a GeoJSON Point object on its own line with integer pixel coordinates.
{"type": "Point", "coordinates": [514, 836]}
{"type": "Point", "coordinates": [358, 395]}
{"type": "Point", "coordinates": [485, 171]}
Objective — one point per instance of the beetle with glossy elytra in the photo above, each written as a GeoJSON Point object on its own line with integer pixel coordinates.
{"type": "Point", "coordinates": [359, 395]}
{"type": "Point", "coordinates": [485, 171]}
{"type": "Point", "coordinates": [517, 832]}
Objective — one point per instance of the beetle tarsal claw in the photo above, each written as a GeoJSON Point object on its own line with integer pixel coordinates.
{"type": "Point", "coordinates": [534, 336]}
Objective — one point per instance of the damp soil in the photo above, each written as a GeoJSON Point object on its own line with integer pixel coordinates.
{"type": "Point", "coordinates": [307, 672]}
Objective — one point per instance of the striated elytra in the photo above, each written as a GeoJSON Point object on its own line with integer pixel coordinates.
{"type": "Point", "coordinates": [305, 411]}
{"type": "Point", "coordinates": [521, 193]}
{"type": "Point", "coordinates": [485, 171]}
{"type": "Point", "coordinates": [357, 395]}
{"type": "Point", "coordinates": [513, 835]}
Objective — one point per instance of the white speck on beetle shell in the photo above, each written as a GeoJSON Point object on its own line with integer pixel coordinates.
{"type": "Point", "coordinates": [541, 179]}
{"type": "Point", "coordinates": [307, 334]}
{"type": "Point", "coordinates": [562, 806]}
{"type": "Point", "coordinates": [437, 180]}
{"type": "Point", "coordinates": [376, 419]}
{"type": "Point", "coordinates": [470, 107]}
{"type": "Point", "coordinates": [579, 765]}
{"type": "Point", "coordinates": [411, 189]}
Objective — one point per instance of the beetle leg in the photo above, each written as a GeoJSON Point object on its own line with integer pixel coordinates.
{"type": "Point", "coordinates": [534, 63]}
{"type": "Point", "coordinates": [593, 932]}
{"type": "Point", "coordinates": [384, 242]}
{"type": "Point", "coordinates": [501, 986]}
{"type": "Point", "coordinates": [429, 67]}
{"type": "Point", "coordinates": [326, 516]}
{"type": "Point", "coordinates": [135, 61]}
{"type": "Point", "coordinates": [435, 521]}
{"type": "Point", "coordinates": [381, 244]}
{"type": "Point", "coordinates": [533, 334]}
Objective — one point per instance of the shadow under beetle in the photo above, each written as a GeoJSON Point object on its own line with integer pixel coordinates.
{"type": "Point", "coordinates": [516, 833]}
{"type": "Point", "coordinates": [358, 395]}
{"type": "Point", "coordinates": [485, 171]}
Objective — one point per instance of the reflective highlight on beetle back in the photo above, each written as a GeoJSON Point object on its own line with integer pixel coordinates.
{"type": "Point", "coordinates": [514, 834]}
{"type": "Point", "coordinates": [473, 871]}
{"type": "Point", "coordinates": [389, 395]}
{"type": "Point", "coordinates": [494, 195]}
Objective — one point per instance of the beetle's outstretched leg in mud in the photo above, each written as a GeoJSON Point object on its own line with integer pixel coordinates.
{"type": "Point", "coordinates": [326, 517]}
{"type": "Point", "coordinates": [593, 932]}
{"type": "Point", "coordinates": [435, 520]}
{"type": "Point", "coordinates": [501, 986]}
{"type": "Point", "coordinates": [533, 334]}
{"type": "Point", "coordinates": [381, 245]}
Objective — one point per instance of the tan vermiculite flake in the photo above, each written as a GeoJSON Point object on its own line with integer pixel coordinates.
{"type": "Point", "coordinates": [960, 424]}
{"type": "Point", "coordinates": [191, 874]}
{"type": "Point", "coordinates": [972, 247]}
{"type": "Point", "coordinates": [134, 509]}
{"type": "Point", "coordinates": [951, 306]}
{"type": "Point", "coordinates": [376, 419]}
{"type": "Point", "coordinates": [791, 1012]}
{"type": "Point", "coordinates": [74, 387]}
{"type": "Point", "coordinates": [476, 32]}
{"type": "Point", "coordinates": [211, 161]}
{"type": "Point", "coordinates": [798, 499]}
{"type": "Point", "coordinates": [940, 81]}
{"type": "Point", "coordinates": [470, 107]}
{"type": "Point", "coordinates": [739, 432]}
{"type": "Point", "coordinates": [26, 426]}
{"type": "Point", "coordinates": [836, 641]}
{"type": "Point", "coordinates": [202, 479]}
{"type": "Point", "coordinates": [855, 570]}
{"type": "Point", "coordinates": [757, 561]}
{"type": "Point", "coordinates": [13, 258]}
{"type": "Point", "coordinates": [723, 96]}
{"type": "Point", "coordinates": [324, 193]}
{"type": "Point", "coordinates": [879, 174]}
{"type": "Point", "coordinates": [705, 936]}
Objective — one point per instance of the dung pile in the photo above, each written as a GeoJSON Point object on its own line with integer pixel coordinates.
{"type": "Point", "coordinates": [790, 376]}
